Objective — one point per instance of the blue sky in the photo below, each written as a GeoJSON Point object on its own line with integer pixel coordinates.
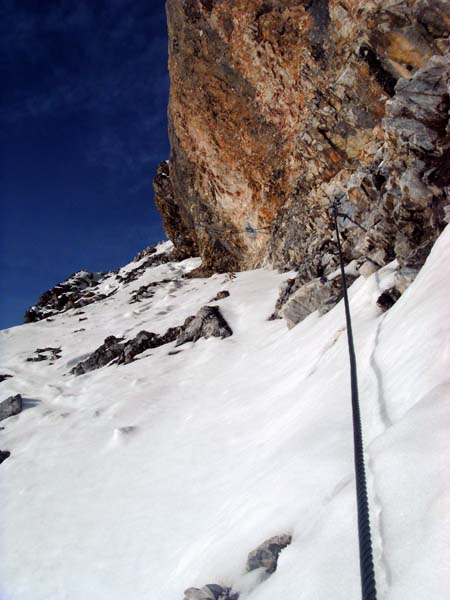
{"type": "Point", "coordinates": [83, 123]}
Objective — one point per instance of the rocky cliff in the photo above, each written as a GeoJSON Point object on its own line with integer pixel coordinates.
{"type": "Point", "coordinates": [277, 106]}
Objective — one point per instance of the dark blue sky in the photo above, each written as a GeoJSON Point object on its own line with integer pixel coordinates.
{"type": "Point", "coordinates": [83, 126]}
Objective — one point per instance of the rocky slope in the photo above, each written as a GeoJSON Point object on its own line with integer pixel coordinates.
{"type": "Point", "coordinates": [277, 106]}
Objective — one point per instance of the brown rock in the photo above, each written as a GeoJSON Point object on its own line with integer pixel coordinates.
{"type": "Point", "coordinates": [276, 105]}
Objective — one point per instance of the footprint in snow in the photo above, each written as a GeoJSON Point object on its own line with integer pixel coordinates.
{"type": "Point", "coordinates": [123, 435]}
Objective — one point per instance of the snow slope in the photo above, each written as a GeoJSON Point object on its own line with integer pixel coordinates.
{"type": "Point", "coordinates": [138, 481]}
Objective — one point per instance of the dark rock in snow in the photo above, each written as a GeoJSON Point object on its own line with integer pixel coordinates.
{"type": "Point", "coordinates": [4, 454]}
{"type": "Point", "coordinates": [266, 555]}
{"type": "Point", "coordinates": [76, 291]}
{"type": "Point", "coordinates": [38, 358]}
{"type": "Point", "coordinates": [146, 340]}
{"type": "Point", "coordinates": [45, 354]}
{"type": "Point", "coordinates": [212, 591]}
{"type": "Point", "coordinates": [5, 376]}
{"type": "Point", "coordinates": [154, 260]}
{"type": "Point", "coordinates": [146, 252]}
{"type": "Point", "coordinates": [10, 407]}
{"type": "Point", "coordinates": [207, 323]}
{"type": "Point", "coordinates": [388, 298]}
{"type": "Point", "coordinates": [108, 351]}
{"type": "Point", "coordinates": [146, 291]}
{"type": "Point", "coordinates": [220, 295]}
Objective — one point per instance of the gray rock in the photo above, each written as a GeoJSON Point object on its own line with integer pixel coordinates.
{"type": "Point", "coordinates": [212, 591]}
{"type": "Point", "coordinates": [10, 407]}
{"type": "Point", "coordinates": [4, 376]}
{"type": "Point", "coordinates": [48, 353]}
{"type": "Point", "coordinates": [287, 289]}
{"type": "Point", "coordinates": [193, 594]}
{"type": "Point", "coordinates": [146, 340]}
{"type": "Point", "coordinates": [319, 294]}
{"type": "Point", "coordinates": [220, 295]}
{"type": "Point", "coordinates": [404, 277]}
{"type": "Point", "coordinates": [208, 322]}
{"type": "Point", "coordinates": [266, 555]}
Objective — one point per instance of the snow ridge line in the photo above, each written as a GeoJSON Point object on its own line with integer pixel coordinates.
{"type": "Point", "coordinates": [383, 412]}
{"type": "Point", "coordinates": [384, 575]}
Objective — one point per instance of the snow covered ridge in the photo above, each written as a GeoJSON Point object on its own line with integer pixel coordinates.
{"type": "Point", "coordinates": [170, 476]}
{"type": "Point", "coordinates": [83, 288]}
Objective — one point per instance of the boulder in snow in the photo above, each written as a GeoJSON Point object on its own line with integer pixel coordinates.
{"type": "Point", "coordinates": [319, 294]}
{"type": "Point", "coordinates": [208, 322]}
{"type": "Point", "coordinates": [211, 591]}
{"type": "Point", "coordinates": [388, 298]}
{"type": "Point", "coordinates": [10, 407]}
{"type": "Point", "coordinates": [4, 376]}
{"type": "Point", "coordinates": [220, 295]}
{"type": "Point", "coordinates": [266, 555]}
{"type": "Point", "coordinates": [108, 351]}
{"type": "Point", "coordinates": [145, 340]}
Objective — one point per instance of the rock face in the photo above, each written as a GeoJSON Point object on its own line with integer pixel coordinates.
{"type": "Point", "coordinates": [278, 105]}
{"type": "Point", "coordinates": [10, 407]}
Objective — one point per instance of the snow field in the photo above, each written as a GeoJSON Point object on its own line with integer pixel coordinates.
{"type": "Point", "coordinates": [141, 480]}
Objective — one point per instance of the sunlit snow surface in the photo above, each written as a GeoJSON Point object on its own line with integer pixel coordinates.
{"type": "Point", "coordinates": [135, 482]}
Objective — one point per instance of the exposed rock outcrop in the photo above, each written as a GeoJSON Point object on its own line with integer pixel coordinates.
{"type": "Point", "coordinates": [41, 354]}
{"type": "Point", "coordinates": [10, 407]}
{"type": "Point", "coordinates": [146, 291]}
{"type": "Point", "coordinates": [208, 322]}
{"type": "Point", "coordinates": [277, 105]}
{"type": "Point", "coordinates": [80, 289]}
{"type": "Point", "coordinates": [297, 300]}
{"type": "Point", "coordinates": [151, 260]}
{"type": "Point", "coordinates": [4, 377]}
{"type": "Point", "coordinates": [103, 355]}
{"type": "Point", "coordinates": [264, 557]}
{"type": "Point", "coordinates": [144, 253]}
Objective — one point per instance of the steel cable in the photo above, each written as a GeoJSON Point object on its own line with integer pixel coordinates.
{"type": "Point", "coordinates": [368, 586]}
